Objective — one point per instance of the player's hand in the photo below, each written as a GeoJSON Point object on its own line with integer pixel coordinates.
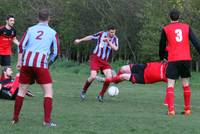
{"type": "Point", "coordinates": [164, 61]}
{"type": "Point", "coordinates": [50, 63]}
{"type": "Point", "coordinates": [106, 40]}
{"type": "Point", "coordinates": [77, 41]}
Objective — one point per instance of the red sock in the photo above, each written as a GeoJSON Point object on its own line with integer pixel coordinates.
{"type": "Point", "coordinates": [17, 107]}
{"type": "Point", "coordinates": [115, 79]}
{"type": "Point", "coordinates": [170, 98]}
{"type": "Point", "coordinates": [87, 84]}
{"type": "Point", "coordinates": [15, 85]}
{"type": "Point", "coordinates": [104, 89]}
{"type": "Point", "coordinates": [119, 72]}
{"type": "Point", "coordinates": [187, 95]}
{"type": "Point", "coordinates": [166, 99]}
{"type": "Point", "coordinates": [47, 109]}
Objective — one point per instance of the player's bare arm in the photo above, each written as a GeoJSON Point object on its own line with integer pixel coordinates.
{"type": "Point", "coordinates": [15, 40]}
{"type": "Point", "coordinates": [87, 38]}
{"type": "Point", "coordinates": [19, 63]}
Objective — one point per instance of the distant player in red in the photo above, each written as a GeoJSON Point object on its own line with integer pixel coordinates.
{"type": "Point", "coordinates": [106, 42]}
{"type": "Point", "coordinates": [7, 36]}
{"type": "Point", "coordinates": [147, 73]}
{"type": "Point", "coordinates": [175, 37]}
{"type": "Point", "coordinates": [9, 85]}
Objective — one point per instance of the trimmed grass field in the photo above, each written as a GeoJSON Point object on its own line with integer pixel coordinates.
{"type": "Point", "coordinates": [138, 109]}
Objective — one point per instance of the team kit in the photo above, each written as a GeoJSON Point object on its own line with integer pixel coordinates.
{"type": "Point", "coordinates": [39, 48]}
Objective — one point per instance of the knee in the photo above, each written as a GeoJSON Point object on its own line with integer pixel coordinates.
{"type": "Point", "coordinates": [185, 84]}
{"type": "Point", "coordinates": [92, 77]}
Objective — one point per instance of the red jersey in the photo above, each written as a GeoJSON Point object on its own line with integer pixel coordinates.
{"type": "Point", "coordinates": [177, 41]}
{"type": "Point", "coordinates": [155, 72]}
{"type": "Point", "coordinates": [6, 37]}
{"type": "Point", "coordinates": [11, 84]}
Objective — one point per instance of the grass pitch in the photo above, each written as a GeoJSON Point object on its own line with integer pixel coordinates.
{"type": "Point", "coordinates": [138, 109]}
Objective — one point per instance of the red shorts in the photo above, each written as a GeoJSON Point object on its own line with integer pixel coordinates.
{"type": "Point", "coordinates": [98, 64]}
{"type": "Point", "coordinates": [28, 75]}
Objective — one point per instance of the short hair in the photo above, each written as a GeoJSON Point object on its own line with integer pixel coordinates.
{"type": "Point", "coordinates": [5, 68]}
{"type": "Point", "coordinates": [9, 16]}
{"type": "Point", "coordinates": [111, 27]}
{"type": "Point", "coordinates": [43, 14]}
{"type": "Point", "coordinates": [174, 14]}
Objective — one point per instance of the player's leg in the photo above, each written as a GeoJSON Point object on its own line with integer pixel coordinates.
{"type": "Point", "coordinates": [170, 96]}
{"type": "Point", "coordinates": [94, 67]}
{"type": "Point", "coordinates": [121, 75]}
{"type": "Point", "coordinates": [125, 69]}
{"type": "Point", "coordinates": [172, 74]}
{"type": "Point", "coordinates": [19, 102]}
{"type": "Point", "coordinates": [118, 78]}
{"type": "Point", "coordinates": [187, 96]}
{"type": "Point", "coordinates": [43, 77]}
{"type": "Point", "coordinates": [47, 104]}
{"type": "Point", "coordinates": [91, 78]}
{"type": "Point", "coordinates": [88, 82]}
{"type": "Point", "coordinates": [26, 78]}
{"type": "Point", "coordinates": [185, 75]}
{"type": "Point", "coordinates": [126, 75]}
{"type": "Point", "coordinates": [108, 74]}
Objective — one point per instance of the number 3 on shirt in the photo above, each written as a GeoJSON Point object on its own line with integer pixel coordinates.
{"type": "Point", "coordinates": [179, 35]}
{"type": "Point", "coordinates": [39, 36]}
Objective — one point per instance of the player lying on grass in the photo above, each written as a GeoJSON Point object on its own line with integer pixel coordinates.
{"type": "Point", "coordinates": [147, 73]}
{"type": "Point", "coordinates": [8, 85]}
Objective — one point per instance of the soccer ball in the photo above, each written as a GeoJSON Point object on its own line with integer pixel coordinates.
{"type": "Point", "coordinates": [113, 91]}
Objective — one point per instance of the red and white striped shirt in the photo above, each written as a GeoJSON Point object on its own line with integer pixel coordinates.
{"type": "Point", "coordinates": [102, 49]}
{"type": "Point", "coordinates": [37, 44]}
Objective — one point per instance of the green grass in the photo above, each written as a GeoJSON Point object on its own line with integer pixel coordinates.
{"type": "Point", "coordinates": [138, 109]}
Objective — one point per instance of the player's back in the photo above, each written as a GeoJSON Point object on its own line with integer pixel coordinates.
{"type": "Point", "coordinates": [40, 37]}
{"type": "Point", "coordinates": [154, 72]}
{"type": "Point", "coordinates": [178, 41]}
{"type": "Point", "coordinates": [38, 42]}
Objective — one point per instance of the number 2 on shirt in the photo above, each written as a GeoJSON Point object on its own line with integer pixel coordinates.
{"type": "Point", "coordinates": [179, 35]}
{"type": "Point", "coordinates": [39, 36]}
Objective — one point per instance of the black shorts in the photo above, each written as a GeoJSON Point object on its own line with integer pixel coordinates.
{"type": "Point", "coordinates": [137, 71]}
{"type": "Point", "coordinates": [5, 60]}
{"type": "Point", "coordinates": [178, 69]}
{"type": "Point", "coordinates": [4, 94]}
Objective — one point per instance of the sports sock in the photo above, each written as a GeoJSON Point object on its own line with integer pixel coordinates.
{"type": "Point", "coordinates": [104, 89]}
{"type": "Point", "coordinates": [17, 107]}
{"type": "Point", "coordinates": [187, 95]}
{"type": "Point", "coordinates": [47, 109]}
{"type": "Point", "coordinates": [170, 98]}
{"type": "Point", "coordinates": [166, 99]}
{"type": "Point", "coordinates": [86, 85]}
{"type": "Point", "coordinates": [115, 79]}
{"type": "Point", "coordinates": [119, 72]}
